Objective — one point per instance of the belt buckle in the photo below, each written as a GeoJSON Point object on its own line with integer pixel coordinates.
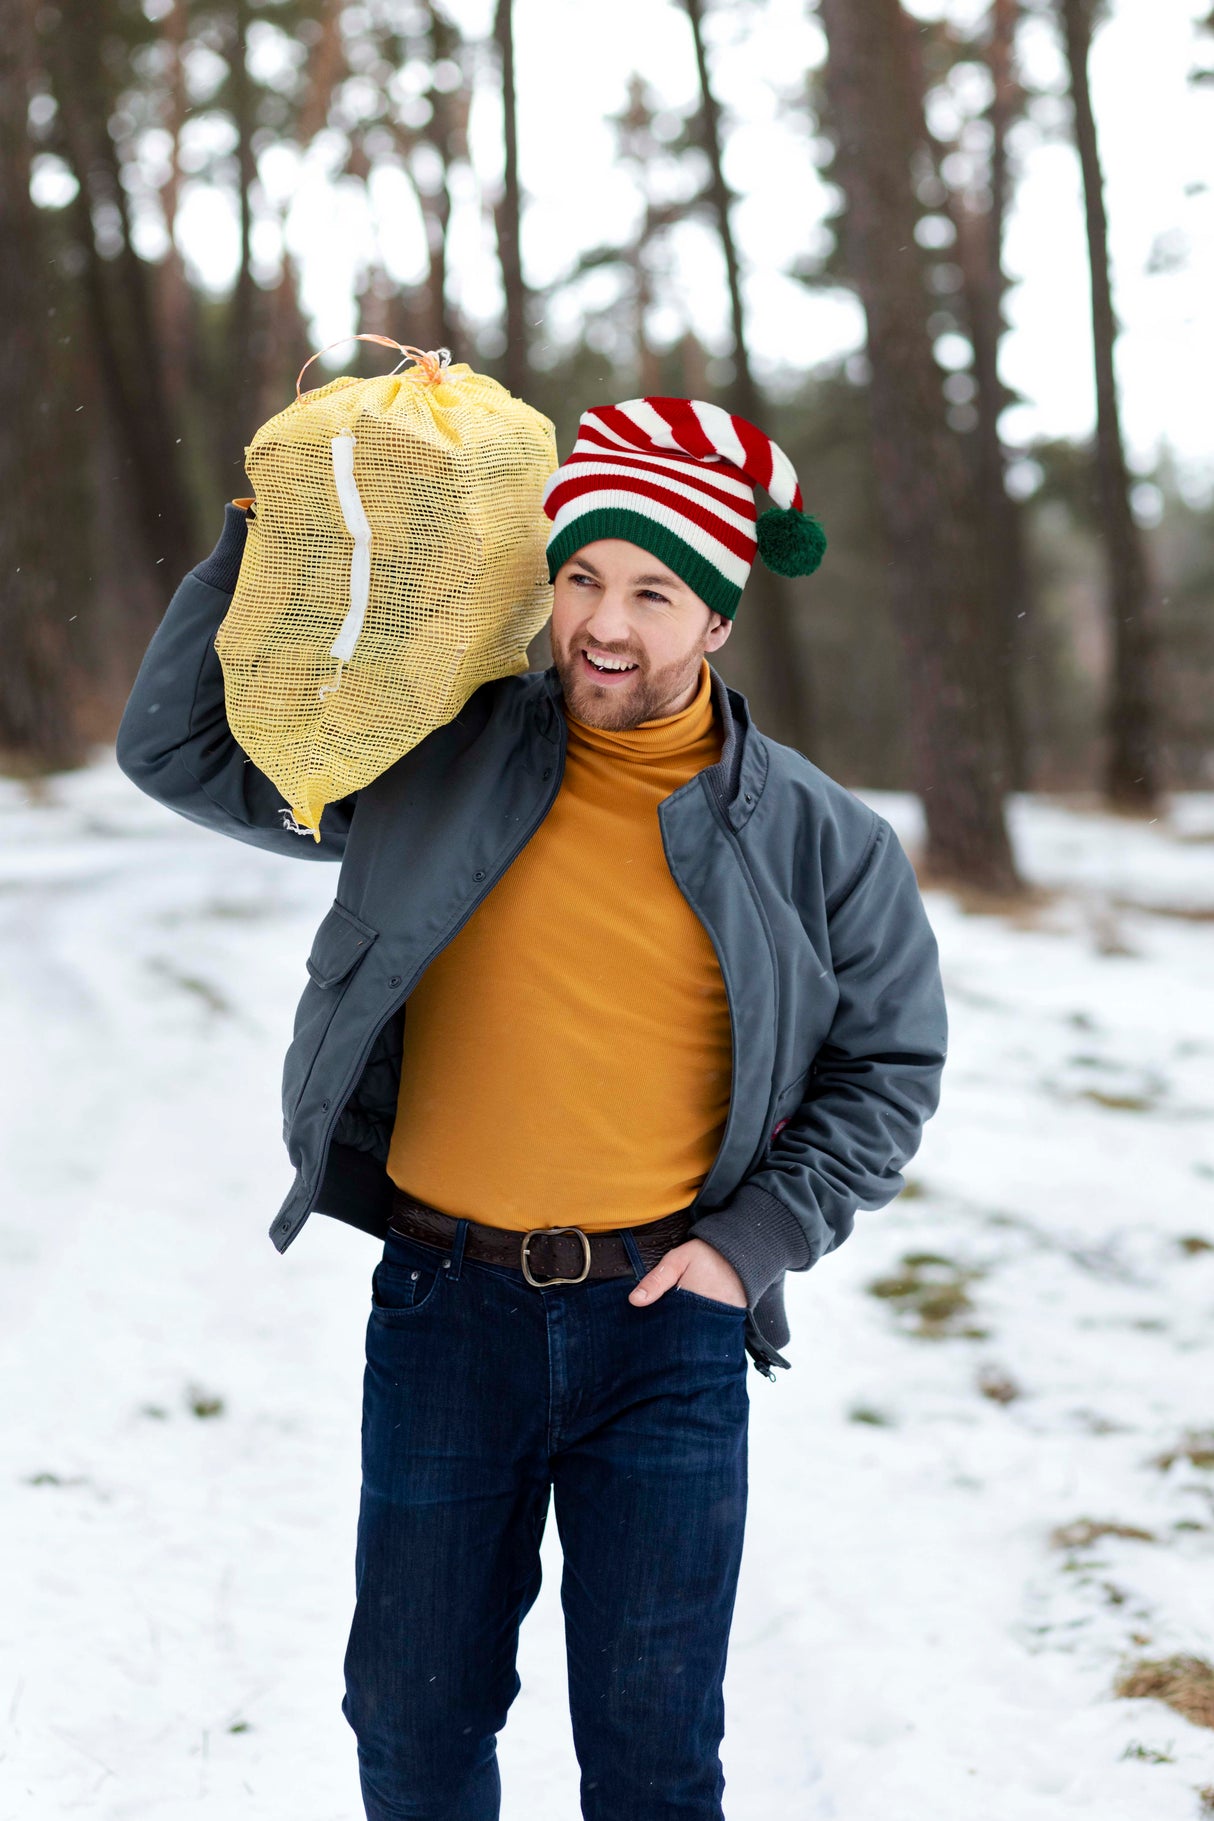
{"type": "Point", "coordinates": [541, 1283]}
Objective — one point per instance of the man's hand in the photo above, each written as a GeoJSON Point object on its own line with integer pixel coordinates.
{"type": "Point", "coordinates": [695, 1265]}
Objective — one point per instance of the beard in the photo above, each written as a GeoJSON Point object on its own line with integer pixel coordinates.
{"type": "Point", "coordinates": [646, 694]}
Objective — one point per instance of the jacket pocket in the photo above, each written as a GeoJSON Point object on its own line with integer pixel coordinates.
{"type": "Point", "coordinates": [787, 1101]}
{"type": "Point", "coordinates": [339, 947]}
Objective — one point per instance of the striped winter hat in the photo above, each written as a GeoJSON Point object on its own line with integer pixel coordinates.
{"type": "Point", "coordinates": [677, 476]}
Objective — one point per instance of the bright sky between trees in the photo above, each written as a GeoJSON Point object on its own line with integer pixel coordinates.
{"type": "Point", "coordinates": [574, 61]}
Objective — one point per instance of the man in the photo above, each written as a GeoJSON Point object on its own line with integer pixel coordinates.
{"type": "Point", "coordinates": [621, 1011]}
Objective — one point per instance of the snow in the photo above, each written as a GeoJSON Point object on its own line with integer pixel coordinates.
{"type": "Point", "coordinates": [175, 1587]}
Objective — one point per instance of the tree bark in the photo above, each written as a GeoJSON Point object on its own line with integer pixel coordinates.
{"type": "Point", "coordinates": [980, 234]}
{"type": "Point", "coordinates": [924, 490]}
{"type": "Point", "coordinates": [174, 300]}
{"type": "Point", "coordinates": [286, 345]}
{"type": "Point", "coordinates": [242, 367]}
{"type": "Point", "coordinates": [767, 653]}
{"type": "Point", "coordinates": [1132, 755]}
{"type": "Point", "coordinates": [40, 529]}
{"type": "Point", "coordinates": [447, 134]}
{"type": "Point", "coordinates": [508, 212]}
{"type": "Point", "coordinates": [117, 294]}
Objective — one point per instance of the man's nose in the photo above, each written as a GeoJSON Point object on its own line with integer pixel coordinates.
{"type": "Point", "coordinates": [609, 624]}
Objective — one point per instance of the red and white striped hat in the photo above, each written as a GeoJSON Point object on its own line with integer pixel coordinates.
{"type": "Point", "coordinates": [678, 477]}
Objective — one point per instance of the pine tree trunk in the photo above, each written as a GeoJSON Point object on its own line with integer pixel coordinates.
{"type": "Point", "coordinates": [764, 644]}
{"type": "Point", "coordinates": [117, 294]}
{"type": "Point", "coordinates": [925, 494]}
{"type": "Point", "coordinates": [1132, 757]}
{"type": "Point", "coordinates": [41, 579]}
{"type": "Point", "coordinates": [507, 213]}
{"type": "Point", "coordinates": [287, 337]}
{"type": "Point", "coordinates": [243, 364]}
{"type": "Point", "coordinates": [980, 252]}
{"type": "Point", "coordinates": [446, 133]}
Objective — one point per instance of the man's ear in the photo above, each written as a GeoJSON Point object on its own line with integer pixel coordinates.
{"type": "Point", "coordinates": [719, 629]}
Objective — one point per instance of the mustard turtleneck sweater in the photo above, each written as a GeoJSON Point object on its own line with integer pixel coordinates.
{"type": "Point", "coordinates": [567, 1056]}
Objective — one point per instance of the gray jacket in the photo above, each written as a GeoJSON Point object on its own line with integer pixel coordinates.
{"type": "Point", "coordinates": [828, 960]}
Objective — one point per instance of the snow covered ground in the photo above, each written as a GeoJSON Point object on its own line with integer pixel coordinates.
{"type": "Point", "coordinates": [179, 1468]}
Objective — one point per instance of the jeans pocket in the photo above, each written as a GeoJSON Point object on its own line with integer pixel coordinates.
{"type": "Point", "coordinates": [710, 1302]}
{"type": "Point", "coordinates": [404, 1281]}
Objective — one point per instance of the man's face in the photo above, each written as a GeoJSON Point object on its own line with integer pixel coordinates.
{"type": "Point", "coordinates": [628, 636]}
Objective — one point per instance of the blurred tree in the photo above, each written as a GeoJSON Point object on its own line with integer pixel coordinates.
{"type": "Point", "coordinates": [963, 96]}
{"type": "Point", "coordinates": [434, 155]}
{"type": "Point", "coordinates": [1074, 635]}
{"type": "Point", "coordinates": [408, 107]}
{"type": "Point", "coordinates": [849, 642]}
{"type": "Point", "coordinates": [973, 189]}
{"type": "Point", "coordinates": [87, 51]}
{"type": "Point", "coordinates": [642, 151]}
{"type": "Point", "coordinates": [926, 492]}
{"type": "Point", "coordinates": [508, 213]}
{"type": "Point", "coordinates": [286, 341]}
{"type": "Point", "coordinates": [980, 247]}
{"type": "Point", "coordinates": [243, 349]}
{"type": "Point", "coordinates": [765, 649]}
{"type": "Point", "coordinates": [1132, 764]}
{"type": "Point", "coordinates": [658, 164]}
{"type": "Point", "coordinates": [41, 569]}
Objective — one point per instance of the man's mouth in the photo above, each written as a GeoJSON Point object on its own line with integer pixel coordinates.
{"type": "Point", "coordinates": [605, 668]}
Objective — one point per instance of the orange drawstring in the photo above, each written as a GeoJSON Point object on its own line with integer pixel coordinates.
{"type": "Point", "coordinates": [429, 365]}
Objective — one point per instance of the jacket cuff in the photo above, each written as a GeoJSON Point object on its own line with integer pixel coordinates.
{"type": "Point", "coordinates": [222, 568]}
{"type": "Point", "coordinates": [758, 1236]}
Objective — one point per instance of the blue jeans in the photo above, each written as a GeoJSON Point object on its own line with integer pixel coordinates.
{"type": "Point", "coordinates": [481, 1396]}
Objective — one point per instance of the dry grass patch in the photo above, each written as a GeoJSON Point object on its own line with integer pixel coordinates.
{"type": "Point", "coordinates": [203, 1403]}
{"type": "Point", "coordinates": [1147, 1754]}
{"type": "Point", "coordinates": [934, 1290]}
{"type": "Point", "coordinates": [1117, 1103]}
{"type": "Point", "coordinates": [1196, 1446]}
{"type": "Point", "coordinates": [1086, 1531]}
{"type": "Point", "coordinates": [998, 1385]}
{"type": "Point", "coordinates": [1185, 1684]}
{"type": "Point", "coordinates": [1193, 1244]}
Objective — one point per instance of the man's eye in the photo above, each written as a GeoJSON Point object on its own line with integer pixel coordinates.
{"type": "Point", "coordinates": [648, 594]}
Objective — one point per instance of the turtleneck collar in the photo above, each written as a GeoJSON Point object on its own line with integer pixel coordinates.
{"type": "Point", "coordinates": [652, 739]}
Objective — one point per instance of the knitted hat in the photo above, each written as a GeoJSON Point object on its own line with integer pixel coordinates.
{"type": "Point", "coordinates": [677, 476]}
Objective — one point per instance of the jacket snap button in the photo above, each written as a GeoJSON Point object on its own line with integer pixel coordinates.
{"type": "Point", "coordinates": [324, 1106]}
{"type": "Point", "coordinates": [749, 798]}
{"type": "Point", "coordinates": [480, 874]}
{"type": "Point", "coordinates": [415, 1275]}
{"type": "Point", "coordinates": [547, 771]}
{"type": "Point", "coordinates": [394, 980]}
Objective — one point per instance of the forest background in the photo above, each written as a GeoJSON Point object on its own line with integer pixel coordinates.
{"type": "Point", "coordinates": [880, 230]}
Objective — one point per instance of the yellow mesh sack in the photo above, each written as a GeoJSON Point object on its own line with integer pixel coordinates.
{"type": "Point", "coordinates": [394, 563]}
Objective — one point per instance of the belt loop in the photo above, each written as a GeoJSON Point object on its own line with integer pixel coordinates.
{"type": "Point", "coordinates": [455, 1262]}
{"type": "Point", "coordinates": [634, 1252]}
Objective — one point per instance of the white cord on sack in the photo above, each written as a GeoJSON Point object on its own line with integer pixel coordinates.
{"type": "Point", "coordinates": [359, 527]}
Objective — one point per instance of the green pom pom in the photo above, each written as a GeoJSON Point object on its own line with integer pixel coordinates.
{"type": "Point", "coordinates": [791, 543]}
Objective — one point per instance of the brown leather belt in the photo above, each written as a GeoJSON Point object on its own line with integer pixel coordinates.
{"type": "Point", "coordinates": [544, 1255]}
